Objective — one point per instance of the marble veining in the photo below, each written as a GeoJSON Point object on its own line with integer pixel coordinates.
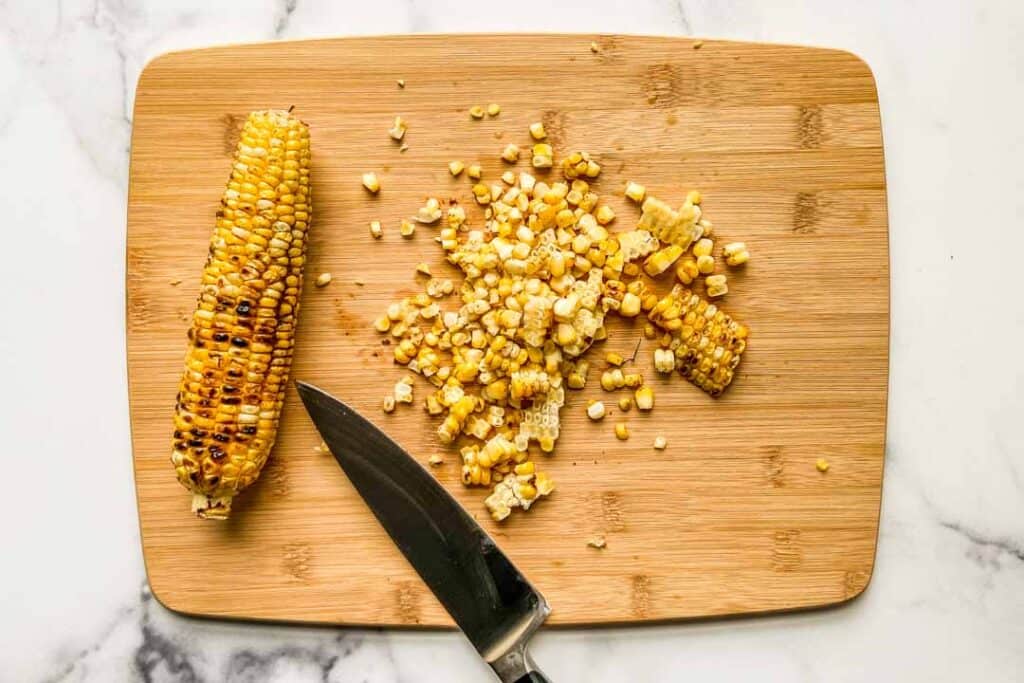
{"type": "Point", "coordinates": [947, 595]}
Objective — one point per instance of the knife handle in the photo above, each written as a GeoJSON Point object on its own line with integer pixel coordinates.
{"type": "Point", "coordinates": [533, 677]}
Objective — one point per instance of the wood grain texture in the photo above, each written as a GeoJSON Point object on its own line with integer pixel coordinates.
{"type": "Point", "coordinates": [785, 145]}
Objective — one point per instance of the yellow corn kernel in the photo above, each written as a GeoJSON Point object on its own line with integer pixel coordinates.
{"type": "Point", "coordinates": [397, 130]}
{"type": "Point", "coordinates": [703, 247]}
{"type": "Point", "coordinates": [371, 183]}
{"type": "Point", "coordinates": [543, 155]}
{"type": "Point", "coordinates": [705, 264]}
{"type": "Point", "coordinates": [423, 269]}
{"type": "Point", "coordinates": [493, 109]}
{"type": "Point", "coordinates": [632, 380]}
{"type": "Point", "coordinates": [635, 191]}
{"type": "Point", "coordinates": [664, 361]}
{"type": "Point", "coordinates": [625, 403]}
{"type": "Point", "coordinates": [693, 197]}
{"type": "Point", "coordinates": [661, 260]}
{"type": "Point", "coordinates": [537, 131]}
{"type": "Point", "coordinates": [615, 359]}
{"type": "Point", "coordinates": [455, 168]}
{"type": "Point", "coordinates": [596, 410]}
{"type": "Point", "coordinates": [621, 431]}
{"type": "Point", "coordinates": [474, 171]}
{"type": "Point", "coordinates": [508, 177]}
{"type": "Point", "coordinates": [735, 253]}
{"type": "Point", "coordinates": [687, 271]}
{"type": "Point", "coordinates": [406, 228]}
{"type": "Point", "coordinates": [631, 269]}
{"type": "Point", "coordinates": [644, 398]}
{"type": "Point", "coordinates": [822, 465]}
{"type": "Point", "coordinates": [510, 153]}
{"type": "Point", "coordinates": [476, 111]}
{"type": "Point", "coordinates": [382, 323]}
{"type": "Point", "coordinates": [323, 280]}
{"type": "Point", "coordinates": [604, 214]}
{"type": "Point", "coordinates": [524, 468]}
{"type": "Point", "coordinates": [630, 306]}
{"type": "Point", "coordinates": [376, 230]}
{"type": "Point", "coordinates": [716, 286]}
{"type": "Point", "coordinates": [389, 404]}
{"type": "Point", "coordinates": [706, 227]}
{"type": "Point", "coordinates": [660, 443]}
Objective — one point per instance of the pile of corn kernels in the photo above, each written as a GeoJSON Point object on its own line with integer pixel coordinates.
{"type": "Point", "coordinates": [541, 273]}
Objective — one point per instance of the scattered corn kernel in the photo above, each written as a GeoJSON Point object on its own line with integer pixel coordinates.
{"type": "Point", "coordinates": [703, 247]}
{"type": "Point", "coordinates": [687, 271]}
{"type": "Point", "coordinates": [543, 155]}
{"type": "Point", "coordinates": [398, 128]}
{"type": "Point", "coordinates": [423, 269]}
{"type": "Point", "coordinates": [664, 361]}
{"type": "Point", "coordinates": [614, 358]}
{"type": "Point", "coordinates": [596, 410]}
{"type": "Point", "coordinates": [635, 191]}
{"type": "Point", "coordinates": [625, 403]}
{"type": "Point", "coordinates": [594, 48]}
{"type": "Point", "coordinates": [661, 260]}
{"type": "Point", "coordinates": [698, 44]}
{"type": "Point", "coordinates": [430, 212]}
{"type": "Point", "coordinates": [644, 398]}
{"type": "Point", "coordinates": [455, 168]}
{"type": "Point", "coordinates": [435, 460]}
{"type": "Point", "coordinates": [630, 306]}
{"type": "Point", "coordinates": [323, 279]}
{"type": "Point", "coordinates": [476, 111]}
{"type": "Point", "coordinates": [400, 82]}
{"type": "Point", "coordinates": [493, 109]}
{"type": "Point", "coordinates": [376, 230]}
{"type": "Point", "coordinates": [632, 380]}
{"type": "Point", "coordinates": [537, 131]}
{"type": "Point", "coordinates": [604, 214]}
{"type": "Point", "coordinates": [735, 253]}
{"type": "Point", "coordinates": [621, 431]}
{"type": "Point", "coordinates": [705, 264]}
{"type": "Point", "coordinates": [510, 153]}
{"type": "Point", "coordinates": [716, 286]}
{"type": "Point", "coordinates": [407, 228]}
{"type": "Point", "coordinates": [389, 404]}
{"type": "Point", "coordinates": [660, 443]}
{"type": "Point", "coordinates": [474, 171]}
{"type": "Point", "coordinates": [597, 542]}
{"type": "Point", "coordinates": [822, 465]}
{"type": "Point", "coordinates": [371, 183]}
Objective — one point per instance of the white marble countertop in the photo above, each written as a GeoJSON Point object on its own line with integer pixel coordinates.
{"type": "Point", "coordinates": [947, 599]}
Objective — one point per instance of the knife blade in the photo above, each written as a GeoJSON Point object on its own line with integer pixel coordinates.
{"type": "Point", "coordinates": [489, 599]}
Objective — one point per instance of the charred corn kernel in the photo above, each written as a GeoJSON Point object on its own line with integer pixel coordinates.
{"type": "Point", "coordinates": [705, 264]}
{"type": "Point", "coordinates": [474, 171]}
{"type": "Point", "coordinates": [371, 183]}
{"type": "Point", "coordinates": [625, 403]}
{"type": "Point", "coordinates": [389, 404]}
{"type": "Point", "coordinates": [660, 443]}
{"type": "Point", "coordinates": [423, 269]}
{"type": "Point", "coordinates": [376, 230]}
{"type": "Point", "coordinates": [476, 111]}
{"type": "Point", "coordinates": [596, 410]}
{"type": "Point", "coordinates": [397, 130]}
{"type": "Point", "coordinates": [735, 253]}
{"type": "Point", "coordinates": [687, 271]}
{"type": "Point", "coordinates": [635, 191]}
{"type": "Point", "coordinates": [604, 214]}
{"type": "Point", "coordinates": [406, 228]}
{"type": "Point", "coordinates": [822, 465]}
{"type": "Point", "coordinates": [632, 380]}
{"type": "Point", "coordinates": [644, 398]}
{"type": "Point", "coordinates": [510, 153]}
{"type": "Point", "coordinates": [664, 361]}
{"type": "Point", "coordinates": [233, 383]}
{"type": "Point", "coordinates": [323, 279]}
{"type": "Point", "coordinates": [537, 131]}
{"type": "Point", "coordinates": [543, 155]}
{"type": "Point", "coordinates": [703, 247]}
{"type": "Point", "coordinates": [613, 358]}
{"type": "Point", "coordinates": [716, 286]}
{"type": "Point", "coordinates": [456, 168]}
{"type": "Point", "coordinates": [621, 431]}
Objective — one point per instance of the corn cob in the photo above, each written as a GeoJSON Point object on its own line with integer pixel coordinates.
{"type": "Point", "coordinates": [236, 367]}
{"type": "Point", "coordinates": [707, 343]}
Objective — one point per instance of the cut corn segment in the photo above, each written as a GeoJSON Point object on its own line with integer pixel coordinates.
{"type": "Point", "coordinates": [230, 395]}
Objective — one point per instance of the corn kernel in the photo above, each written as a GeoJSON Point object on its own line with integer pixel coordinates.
{"type": "Point", "coordinates": [596, 410]}
{"type": "Point", "coordinates": [371, 183]}
{"type": "Point", "coordinates": [493, 109]}
{"type": "Point", "coordinates": [687, 271]}
{"type": "Point", "coordinates": [625, 403]}
{"type": "Point", "coordinates": [660, 443]}
{"type": "Point", "coordinates": [703, 247]}
{"type": "Point", "coordinates": [645, 398]}
{"type": "Point", "coordinates": [630, 306]}
{"type": "Point", "coordinates": [376, 230]}
{"type": "Point", "coordinates": [508, 177]}
{"type": "Point", "coordinates": [693, 197]}
{"type": "Point", "coordinates": [400, 82]}
{"type": "Point", "coordinates": [621, 431]}
{"type": "Point", "coordinates": [476, 111]}
{"type": "Point", "coordinates": [635, 191]}
{"type": "Point", "coordinates": [735, 253]}
{"type": "Point", "coordinates": [455, 168]}
{"type": "Point", "coordinates": [511, 153]}
{"type": "Point", "coordinates": [537, 131]}
{"type": "Point", "coordinates": [423, 269]}
{"type": "Point", "coordinates": [397, 130]}
{"type": "Point", "coordinates": [543, 155]}
{"type": "Point", "coordinates": [716, 286]}
{"type": "Point", "coordinates": [407, 228]}
{"type": "Point", "coordinates": [474, 171]}
{"type": "Point", "coordinates": [323, 279]}
{"type": "Point", "coordinates": [649, 331]}
{"type": "Point", "coordinates": [604, 214]}
{"type": "Point", "coordinates": [632, 380]}
{"type": "Point", "coordinates": [389, 404]}
{"type": "Point", "coordinates": [615, 359]}
{"type": "Point", "coordinates": [705, 264]}
{"type": "Point", "coordinates": [822, 465]}
{"type": "Point", "coordinates": [664, 361]}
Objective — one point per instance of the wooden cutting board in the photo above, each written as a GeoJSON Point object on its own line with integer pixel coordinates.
{"type": "Point", "coordinates": [785, 145]}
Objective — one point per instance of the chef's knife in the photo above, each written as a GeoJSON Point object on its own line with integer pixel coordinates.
{"type": "Point", "coordinates": [493, 604]}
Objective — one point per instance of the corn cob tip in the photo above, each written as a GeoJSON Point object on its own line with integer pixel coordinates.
{"type": "Point", "coordinates": [211, 507]}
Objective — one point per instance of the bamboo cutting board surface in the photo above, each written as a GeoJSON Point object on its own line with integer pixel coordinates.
{"type": "Point", "coordinates": [785, 145]}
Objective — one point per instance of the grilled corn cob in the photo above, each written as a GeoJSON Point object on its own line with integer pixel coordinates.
{"type": "Point", "coordinates": [240, 341]}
